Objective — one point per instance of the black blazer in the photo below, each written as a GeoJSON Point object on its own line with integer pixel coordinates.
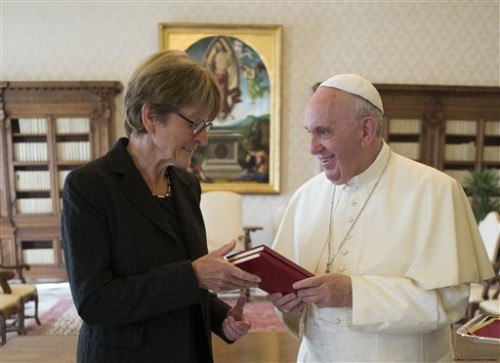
{"type": "Point", "coordinates": [131, 279]}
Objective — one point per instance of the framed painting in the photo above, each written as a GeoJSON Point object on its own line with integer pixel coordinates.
{"type": "Point", "coordinates": [243, 151]}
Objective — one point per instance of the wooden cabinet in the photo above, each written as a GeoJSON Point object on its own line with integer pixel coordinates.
{"type": "Point", "coordinates": [47, 129]}
{"type": "Point", "coordinates": [452, 128]}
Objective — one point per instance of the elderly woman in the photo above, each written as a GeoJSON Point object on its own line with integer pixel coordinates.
{"type": "Point", "coordinates": [133, 234]}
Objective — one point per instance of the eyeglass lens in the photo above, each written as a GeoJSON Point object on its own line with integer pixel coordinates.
{"type": "Point", "coordinates": [196, 126]}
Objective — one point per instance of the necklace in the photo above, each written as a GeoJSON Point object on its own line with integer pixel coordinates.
{"type": "Point", "coordinates": [328, 241]}
{"type": "Point", "coordinates": [168, 193]}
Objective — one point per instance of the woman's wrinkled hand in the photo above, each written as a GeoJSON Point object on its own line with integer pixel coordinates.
{"type": "Point", "coordinates": [235, 325]}
{"type": "Point", "coordinates": [215, 273]}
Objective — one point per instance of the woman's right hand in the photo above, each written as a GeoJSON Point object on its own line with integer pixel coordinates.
{"type": "Point", "coordinates": [215, 273]}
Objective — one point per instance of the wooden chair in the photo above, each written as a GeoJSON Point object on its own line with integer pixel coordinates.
{"type": "Point", "coordinates": [491, 303]}
{"type": "Point", "coordinates": [27, 292]}
{"type": "Point", "coordinates": [11, 306]}
{"type": "Point", "coordinates": [223, 217]}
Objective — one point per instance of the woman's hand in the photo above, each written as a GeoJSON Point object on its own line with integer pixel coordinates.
{"type": "Point", "coordinates": [235, 325]}
{"type": "Point", "coordinates": [215, 273]}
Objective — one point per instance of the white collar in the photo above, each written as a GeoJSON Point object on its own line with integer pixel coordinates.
{"type": "Point", "coordinates": [374, 170]}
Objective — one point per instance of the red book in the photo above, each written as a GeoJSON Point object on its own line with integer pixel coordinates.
{"type": "Point", "coordinates": [492, 330]}
{"type": "Point", "coordinates": [487, 328]}
{"type": "Point", "coordinates": [277, 272]}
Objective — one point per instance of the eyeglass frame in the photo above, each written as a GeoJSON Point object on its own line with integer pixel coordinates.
{"type": "Point", "coordinates": [196, 127]}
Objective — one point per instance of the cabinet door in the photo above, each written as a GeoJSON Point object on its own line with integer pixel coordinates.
{"type": "Point", "coordinates": [451, 128]}
{"type": "Point", "coordinates": [461, 148]}
{"type": "Point", "coordinates": [47, 130]}
{"type": "Point", "coordinates": [29, 148]}
{"type": "Point", "coordinates": [43, 151]}
{"type": "Point", "coordinates": [73, 147]}
{"type": "Point", "coordinates": [491, 145]}
{"type": "Point", "coordinates": [403, 135]}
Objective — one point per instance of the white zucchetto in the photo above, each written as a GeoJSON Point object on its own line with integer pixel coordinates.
{"type": "Point", "coordinates": [356, 85]}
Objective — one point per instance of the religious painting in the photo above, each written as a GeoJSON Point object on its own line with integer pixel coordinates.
{"type": "Point", "coordinates": [243, 150]}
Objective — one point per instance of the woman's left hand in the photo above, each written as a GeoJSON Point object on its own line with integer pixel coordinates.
{"type": "Point", "coordinates": [235, 325]}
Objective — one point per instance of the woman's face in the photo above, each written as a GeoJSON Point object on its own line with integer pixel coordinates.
{"type": "Point", "coordinates": [174, 140]}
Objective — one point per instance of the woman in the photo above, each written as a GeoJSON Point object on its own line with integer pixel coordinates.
{"type": "Point", "coordinates": [133, 234]}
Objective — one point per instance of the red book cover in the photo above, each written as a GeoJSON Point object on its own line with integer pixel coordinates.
{"type": "Point", "coordinates": [488, 329]}
{"type": "Point", "coordinates": [277, 272]}
{"type": "Point", "coordinates": [491, 330]}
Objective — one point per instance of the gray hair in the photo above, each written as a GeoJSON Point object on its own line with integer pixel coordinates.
{"type": "Point", "coordinates": [167, 81]}
{"type": "Point", "coordinates": [364, 108]}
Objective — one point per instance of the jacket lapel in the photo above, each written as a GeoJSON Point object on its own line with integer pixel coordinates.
{"type": "Point", "coordinates": [133, 185]}
{"type": "Point", "coordinates": [186, 192]}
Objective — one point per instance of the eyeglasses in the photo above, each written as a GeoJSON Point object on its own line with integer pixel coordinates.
{"type": "Point", "coordinates": [196, 127]}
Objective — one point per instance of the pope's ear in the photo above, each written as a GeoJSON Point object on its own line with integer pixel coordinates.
{"type": "Point", "coordinates": [369, 128]}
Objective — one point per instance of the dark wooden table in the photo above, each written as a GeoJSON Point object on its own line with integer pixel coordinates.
{"type": "Point", "coordinates": [253, 348]}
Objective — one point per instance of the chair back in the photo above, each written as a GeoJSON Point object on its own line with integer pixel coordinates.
{"type": "Point", "coordinates": [489, 228]}
{"type": "Point", "coordinates": [223, 216]}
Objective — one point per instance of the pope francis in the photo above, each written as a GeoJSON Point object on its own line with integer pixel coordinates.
{"type": "Point", "coordinates": [393, 243]}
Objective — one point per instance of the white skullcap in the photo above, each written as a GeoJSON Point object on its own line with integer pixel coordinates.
{"type": "Point", "coordinates": [356, 85]}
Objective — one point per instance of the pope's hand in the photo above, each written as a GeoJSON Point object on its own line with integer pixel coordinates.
{"type": "Point", "coordinates": [288, 304]}
{"type": "Point", "coordinates": [326, 290]}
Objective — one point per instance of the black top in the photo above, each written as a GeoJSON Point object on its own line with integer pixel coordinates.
{"type": "Point", "coordinates": [128, 258]}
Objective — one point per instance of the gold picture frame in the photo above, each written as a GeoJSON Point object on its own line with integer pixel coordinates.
{"type": "Point", "coordinates": [243, 151]}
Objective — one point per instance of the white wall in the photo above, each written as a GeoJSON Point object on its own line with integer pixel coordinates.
{"type": "Point", "coordinates": [415, 42]}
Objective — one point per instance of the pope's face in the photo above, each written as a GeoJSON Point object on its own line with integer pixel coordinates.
{"type": "Point", "coordinates": [336, 134]}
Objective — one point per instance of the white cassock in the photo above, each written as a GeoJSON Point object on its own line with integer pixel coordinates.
{"type": "Point", "coordinates": [411, 256]}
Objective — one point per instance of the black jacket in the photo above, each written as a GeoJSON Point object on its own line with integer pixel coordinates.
{"type": "Point", "coordinates": [131, 279]}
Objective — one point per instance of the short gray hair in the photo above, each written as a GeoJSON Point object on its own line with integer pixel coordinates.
{"type": "Point", "coordinates": [167, 81]}
{"type": "Point", "coordinates": [364, 108]}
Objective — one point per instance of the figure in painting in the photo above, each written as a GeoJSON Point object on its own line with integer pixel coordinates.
{"type": "Point", "coordinates": [196, 169]}
{"type": "Point", "coordinates": [254, 79]}
{"type": "Point", "coordinates": [255, 164]}
{"type": "Point", "coordinates": [243, 79]}
{"type": "Point", "coordinates": [222, 62]}
{"type": "Point", "coordinates": [254, 137]}
{"type": "Point", "coordinates": [255, 160]}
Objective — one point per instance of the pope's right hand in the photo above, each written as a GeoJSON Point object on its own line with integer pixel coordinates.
{"type": "Point", "coordinates": [288, 304]}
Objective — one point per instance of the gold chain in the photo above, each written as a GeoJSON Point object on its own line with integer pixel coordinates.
{"type": "Point", "coordinates": [169, 191]}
